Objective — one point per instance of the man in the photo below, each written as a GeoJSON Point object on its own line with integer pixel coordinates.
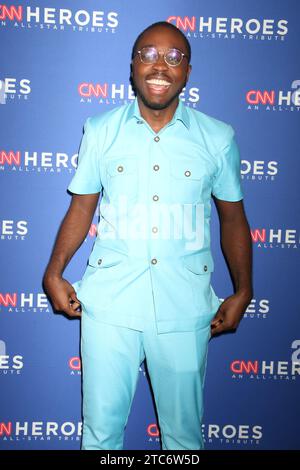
{"type": "Point", "coordinates": [146, 291]}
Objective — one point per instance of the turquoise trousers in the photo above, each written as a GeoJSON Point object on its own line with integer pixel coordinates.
{"type": "Point", "coordinates": [111, 358]}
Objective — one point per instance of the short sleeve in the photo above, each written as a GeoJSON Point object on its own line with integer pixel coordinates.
{"type": "Point", "coordinates": [227, 181]}
{"type": "Point", "coordinates": [87, 178]}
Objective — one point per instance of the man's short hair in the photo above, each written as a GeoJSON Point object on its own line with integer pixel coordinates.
{"type": "Point", "coordinates": [165, 24]}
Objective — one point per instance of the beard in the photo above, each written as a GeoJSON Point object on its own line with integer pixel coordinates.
{"type": "Point", "coordinates": [153, 105]}
{"type": "Point", "coordinates": [157, 106]}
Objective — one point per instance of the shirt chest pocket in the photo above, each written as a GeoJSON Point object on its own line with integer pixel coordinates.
{"type": "Point", "coordinates": [122, 179]}
{"type": "Point", "coordinates": [186, 181]}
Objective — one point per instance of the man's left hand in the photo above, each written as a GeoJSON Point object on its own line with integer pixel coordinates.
{"type": "Point", "coordinates": [230, 313]}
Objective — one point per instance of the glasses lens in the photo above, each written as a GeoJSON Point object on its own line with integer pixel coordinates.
{"type": "Point", "coordinates": [149, 55]}
{"type": "Point", "coordinates": [173, 57]}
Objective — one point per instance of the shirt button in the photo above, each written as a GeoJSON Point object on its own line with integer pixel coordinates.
{"type": "Point", "coordinates": [156, 167]}
{"type": "Point", "coordinates": [205, 268]}
{"type": "Point", "coordinates": [155, 197]}
{"type": "Point", "coordinates": [157, 139]}
{"type": "Point", "coordinates": [99, 261]}
{"type": "Point", "coordinates": [154, 229]}
{"type": "Point", "coordinates": [139, 122]}
{"type": "Point", "coordinates": [187, 173]}
{"type": "Point", "coordinates": [120, 168]}
{"type": "Point", "coordinates": [154, 261]}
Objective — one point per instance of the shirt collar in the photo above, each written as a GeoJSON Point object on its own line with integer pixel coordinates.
{"type": "Point", "coordinates": [181, 113]}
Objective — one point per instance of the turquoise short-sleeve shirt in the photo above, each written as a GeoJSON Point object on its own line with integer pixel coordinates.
{"type": "Point", "coordinates": [152, 249]}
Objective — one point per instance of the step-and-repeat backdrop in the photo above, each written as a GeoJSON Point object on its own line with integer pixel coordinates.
{"type": "Point", "coordinates": [64, 61]}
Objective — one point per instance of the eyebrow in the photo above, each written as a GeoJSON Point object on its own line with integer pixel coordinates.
{"type": "Point", "coordinates": [149, 45]}
{"type": "Point", "coordinates": [152, 45]}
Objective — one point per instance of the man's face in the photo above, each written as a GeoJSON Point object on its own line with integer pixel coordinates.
{"type": "Point", "coordinates": [153, 94]}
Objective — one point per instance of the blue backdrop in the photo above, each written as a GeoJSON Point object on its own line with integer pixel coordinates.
{"type": "Point", "coordinates": [64, 61]}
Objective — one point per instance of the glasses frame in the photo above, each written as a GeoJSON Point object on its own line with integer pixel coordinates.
{"type": "Point", "coordinates": [161, 53]}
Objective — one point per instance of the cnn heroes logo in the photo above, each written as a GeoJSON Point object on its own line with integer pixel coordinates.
{"type": "Point", "coordinates": [13, 229]}
{"type": "Point", "coordinates": [275, 238]}
{"type": "Point", "coordinates": [21, 302]}
{"type": "Point", "coordinates": [41, 162]}
{"type": "Point", "coordinates": [239, 435]}
{"type": "Point", "coordinates": [10, 364]}
{"type": "Point", "coordinates": [222, 434]}
{"type": "Point", "coordinates": [40, 431]}
{"type": "Point", "coordinates": [121, 93]}
{"type": "Point", "coordinates": [259, 170]}
{"type": "Point", "coordinates": [13, 89]}
{"type": "Point", "coordinates": [266, 370]}
{"type": "Point", "coordinates": [274, 99]}
{"type": "Point", "coordinates": [211, 27]}
{"type": "Point", "coordinates": [58, 19]}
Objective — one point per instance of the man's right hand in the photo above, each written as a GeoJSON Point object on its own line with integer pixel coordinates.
{"type": "Point", "coordinates": [70, 236]}
{"type": "Point", "coordinates": [62, 295]}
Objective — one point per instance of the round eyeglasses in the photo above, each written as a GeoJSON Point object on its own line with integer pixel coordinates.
{"type": "Point", "coordinates": [150, 55]}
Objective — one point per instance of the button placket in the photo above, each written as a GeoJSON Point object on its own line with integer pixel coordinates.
{"type": "Point", "coordinates": [155, 197]}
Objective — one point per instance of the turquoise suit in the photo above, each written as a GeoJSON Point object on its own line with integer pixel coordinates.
{"type": "Point", "coordinates": [146, 291]}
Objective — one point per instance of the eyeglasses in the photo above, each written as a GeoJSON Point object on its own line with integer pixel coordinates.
{"type": "Point", "coordinates": [150, 55]}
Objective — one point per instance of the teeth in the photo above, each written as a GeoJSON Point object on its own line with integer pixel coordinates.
{"type": "Point", "coordinates": [156, 81]}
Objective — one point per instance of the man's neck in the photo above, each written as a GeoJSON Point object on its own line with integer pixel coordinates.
{"type": "Point", "coordinates": [157, 118]}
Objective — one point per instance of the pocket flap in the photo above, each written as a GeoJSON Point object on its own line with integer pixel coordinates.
{"type": "Point", "coordinates": [121, 167]}
{"type": "Point", "coordinates": [102, 257]}
{"type": "Point", "coordinates": [199, 263]}
{"type": "Point", "coordinates": [186, 169]}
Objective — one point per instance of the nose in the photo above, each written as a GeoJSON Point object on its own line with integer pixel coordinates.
{"type": "Point", "coordinates": [160, 64]}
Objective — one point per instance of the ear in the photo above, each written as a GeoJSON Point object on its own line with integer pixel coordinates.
{"type": "Point", "coordinates": [188, 72]}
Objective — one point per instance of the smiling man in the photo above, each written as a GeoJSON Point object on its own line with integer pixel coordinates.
{"type": "Point", "coordinates": [146, 292]}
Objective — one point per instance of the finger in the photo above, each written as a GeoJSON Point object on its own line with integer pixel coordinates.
{"type": "Point", "coordinates": [217, 320]}
{"type": "Point", "coordinates": [75, 305]}
{"type": "Point", "coordinates": [74, 302]}
{"type": "Point", "coordinates": [219, 328]}
{"type": "Point", "coordinates": [73, 313]}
